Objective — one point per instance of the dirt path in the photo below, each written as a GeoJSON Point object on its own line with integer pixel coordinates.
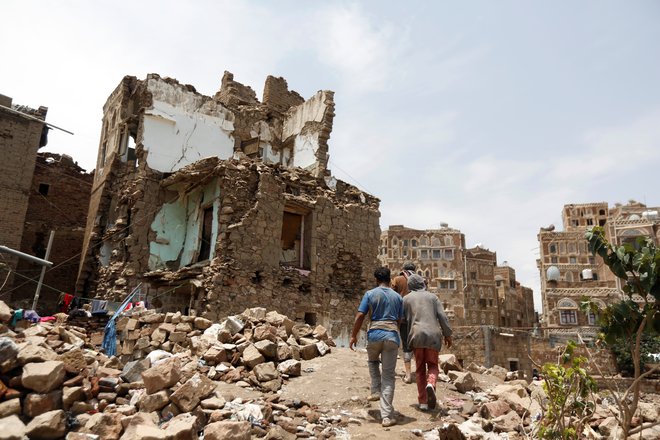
{"type": "Point", "coordinates": [340, 382]}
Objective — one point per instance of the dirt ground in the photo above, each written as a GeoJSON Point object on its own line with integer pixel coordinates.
{"type": "Point", "coordinates": [340, 383]}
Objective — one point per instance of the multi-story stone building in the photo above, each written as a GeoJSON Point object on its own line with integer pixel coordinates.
{"type": "Point", "coordinates": [21, 135]}
{"type": "Point", "coordinates": [215, 204]}
{"type": "Point", "coordinates": [465, 280]}
{"type": "Point", "coordinates": [569, 272]}
{"type": "Point", "coordinates": [516, 302]}
{"type": "Point", "coordinates": [58, 202]}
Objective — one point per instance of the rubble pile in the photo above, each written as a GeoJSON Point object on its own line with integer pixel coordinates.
{"type": "Point", "coordinates": [495, 403]}
{"type": "Point", "coordinates": [55, 384]}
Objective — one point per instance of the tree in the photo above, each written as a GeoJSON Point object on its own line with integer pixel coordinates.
{"type": "Point", "coordinates": [638, 314]}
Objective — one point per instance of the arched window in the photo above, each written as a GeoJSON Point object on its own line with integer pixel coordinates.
{"type": "Point", "coordinates": [569, 277]}
{"type": "Point", "coordinates": [566, 303]}
{"type": "Point", "coordinates": [567, 311]}
{"type": "Point", "coordinates": [449, 241]}
{"type": "Point", "coordinates": [435, 241]}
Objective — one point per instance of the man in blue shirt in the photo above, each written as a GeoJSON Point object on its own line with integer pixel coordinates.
{"type": "Point", "coordinates": [386, 308]}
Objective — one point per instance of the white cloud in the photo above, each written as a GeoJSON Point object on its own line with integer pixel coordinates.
{"type": "Point", "coordinates": [366, 54]}
{"type": "Point", "coordinates": [610, 150]}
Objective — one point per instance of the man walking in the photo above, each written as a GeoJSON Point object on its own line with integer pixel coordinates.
{"type": "Point", "coordinates": [386, 311]}
{"type": "Point", "coordinates": [400, 285]}
{"type": "Point", "coordinates": [427, 324]}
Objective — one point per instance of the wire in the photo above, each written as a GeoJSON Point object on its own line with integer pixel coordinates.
{"type": "Point", "coordinates": [64, 174]}
{"type": "Point", "coordinates": [364, 188]}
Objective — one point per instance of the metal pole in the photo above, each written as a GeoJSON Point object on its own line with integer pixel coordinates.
{"type": "Point", "coordinates": [28, 257]}
{"type": "Point", "coordinates": [33, 118]}
{"type": "Point", "coordinates": [43, 271]}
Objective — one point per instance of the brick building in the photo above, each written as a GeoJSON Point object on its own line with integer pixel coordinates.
{"type": "Point", "coordinates": [465, 280]}
{"type": "Point", "coordinates": [570, 272]}
{"type": "Point", "coordinates": [215, 204]}
{"type": "Point", "coordinates": [58, 201]}
{"type": "Point", "coordinates": [20, 139]}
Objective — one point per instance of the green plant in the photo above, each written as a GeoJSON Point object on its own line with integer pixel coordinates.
{"type": "Point", "coordinates": [570, 397]}
{"type": "Point", "coordinates": [637, 316]}
{"type": "Point", "coordinates": [650, 344]}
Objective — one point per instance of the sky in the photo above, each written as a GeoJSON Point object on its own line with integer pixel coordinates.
{"type": "Point", "coordinates": [489, 116]}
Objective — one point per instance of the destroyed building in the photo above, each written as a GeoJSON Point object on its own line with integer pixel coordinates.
{"type": "Point", "coordinates": [216, 204]}
{"type": "Point", "coordinates": [569, 272]}
{"type": "Point", "coordinates": [467, 281]}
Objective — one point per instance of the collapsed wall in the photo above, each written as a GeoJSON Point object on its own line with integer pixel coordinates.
{"type": "Point", "coordinates": [219, 204]}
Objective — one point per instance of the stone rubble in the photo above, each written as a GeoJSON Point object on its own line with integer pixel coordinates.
{"type": "Point", "coordinates": [164, 382]}
{"type": "Point", "coordinates": [55, 383]}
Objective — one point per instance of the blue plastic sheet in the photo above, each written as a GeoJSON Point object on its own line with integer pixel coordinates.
{"type": "Point", "coordinates": [110, 332]}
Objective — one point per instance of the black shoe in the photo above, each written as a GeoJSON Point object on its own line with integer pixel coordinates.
{"type": "Point", "coordinates": [430, 396]}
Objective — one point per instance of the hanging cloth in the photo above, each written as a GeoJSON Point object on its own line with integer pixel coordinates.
{"type": "Point", "coordinates": [110, 332]}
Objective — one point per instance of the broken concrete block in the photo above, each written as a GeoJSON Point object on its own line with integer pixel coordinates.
{"type": "Point", "coordinates": [227, 430]}
{"type": "Point", "coordinates": [133, 370]}
{"type": "Point", "coordinates": [188, 395]}
{"type": "Point", "coordinates": [181, 427]}
{"type": "Point", "coordinates": [290, 367]}
{"type": "Point", "coordinates": [463, 382]}
{"type": "Point", "coordinates": [302, 331]}
{"type": "Point", "coordinates": [448, 362]}
{"type": "Point", "coordinates": [10, 407]}
{"type": "Point", "coordinates": [266, 372]}
{"type": "Point", "coordinates": [35, 353]}
{"type": "Point", "coordinates": [43, 377]}
{"type": "Point", "coordinates": [71, 395]}
{"type": "Point", "coordinates": [252, 356]}
{"type": "Point", "coordinates": [267, 347]}
{"type": "Point", "coordinates": [12, 428]}
{"type": "Point", "coordinates": [162, 375]}
{"type": "Point", "coordinates": [5, 312]}
{"type": "Point", "coordinates": [215, 355]}
{"type": "Point", "coordinates": [35, 404]}
{"type": "Point", "coordinates": [105, 425]}
{"type": "Point", "coordinates": [309, 352]}
{"type": "Point", "coordinates": [202, 323]}
{"type": "Point", "coordinates": [49, 425]}
{"type": "Point", "coordinates": [322, 348]}
{"type": "Point", "coordinates": [153, 402]}
{"type": "Point", "coordinates": [493, 409]}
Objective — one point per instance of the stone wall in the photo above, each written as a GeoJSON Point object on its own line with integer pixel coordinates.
{"type": "Point", "coordinates": [488, 346]}
{"type": "Point", "coordinates": [246, 271]}
{"type": "Point", "coordinates": [20, 138]}
{"type": "Point", "coordinates": [545, 351]}
{"type": "Point", "coordinates": [244, 213]}
{"type": "Point", "coordinates": [58, 201]}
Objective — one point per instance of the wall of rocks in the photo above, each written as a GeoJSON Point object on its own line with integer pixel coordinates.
{"type": "Point", "coordinates": [246, 271]}
{"type": "Point", "coordinates": [490, 346]}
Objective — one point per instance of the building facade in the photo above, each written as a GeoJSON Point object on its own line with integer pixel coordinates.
{"type": "Point", "coordinates": [21, 136]}
{"type": "Point", "coordinates": [570, 273]}
{"type": "Point", "coordinates": [215, 204]}
{"type": "Point", "coordinates": [465, 280]}
{"type": "Point", "coordinates": [58, 202]}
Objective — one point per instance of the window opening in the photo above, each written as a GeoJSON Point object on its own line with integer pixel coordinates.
{"type": "Point", "coordinates": [207, 232]}
{"type": "Point", "coordinates": [296, 240]}
{"type": "Point", "coordinates": [310, 318]}
{"type": "Point", "coordinates": [43, 189]}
